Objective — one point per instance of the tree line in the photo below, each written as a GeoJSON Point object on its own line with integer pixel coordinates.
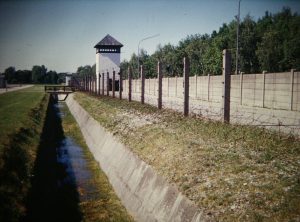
{"type": "Point", "coordinates": [270, 44]}
{"type": "Point", "coordinates": [37, 75]}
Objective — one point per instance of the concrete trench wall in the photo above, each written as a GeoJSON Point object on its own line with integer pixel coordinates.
{"type": "Point", "coordinates": [146, 195]}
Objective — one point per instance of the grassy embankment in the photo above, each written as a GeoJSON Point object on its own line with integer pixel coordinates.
{"type": "Point", "coordinates": [22, 115]}
{"type": "Point", "coordinates": [105, 205]}
{"type": "Point", "coordinates": [233, 173]}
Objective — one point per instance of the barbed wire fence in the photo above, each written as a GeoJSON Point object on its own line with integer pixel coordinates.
{"type": "Point", "coordinates": [269, 100]}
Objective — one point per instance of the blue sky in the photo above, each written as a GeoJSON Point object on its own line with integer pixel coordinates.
{"type": "Point", "coordinates": [61, 34]}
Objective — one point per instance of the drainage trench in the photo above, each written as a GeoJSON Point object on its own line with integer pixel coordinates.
{"type": "Point", "coordinates": [145, 194]}
{"type": "Point", "coordinates": [60, 173]}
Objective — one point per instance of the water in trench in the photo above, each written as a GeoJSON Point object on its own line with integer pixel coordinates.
{"type": "Point", "coordinates": [61, 175]}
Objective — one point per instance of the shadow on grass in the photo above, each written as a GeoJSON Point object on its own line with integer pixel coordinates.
{"type": "Point", "coordinates": [53, 196]}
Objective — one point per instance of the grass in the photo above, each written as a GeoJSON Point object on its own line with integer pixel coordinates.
{"type": "Point", "coordinates": [105, 205]}
{"type": "Point", "coordinates": [232, 172]}
{"type": "Point", "coordinates": [22, 116]}
{"type": "Point", "coordinates": [14, 109]}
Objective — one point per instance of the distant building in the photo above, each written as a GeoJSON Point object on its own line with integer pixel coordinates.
{"type": "Point", "coordinates": [2, 81]}
{"type": "Point", "coordinates": [108, 60]}
{"type": "Point", "coordinates": [68, 79]}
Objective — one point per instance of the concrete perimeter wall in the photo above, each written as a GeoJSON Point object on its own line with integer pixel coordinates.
{"type": "Point", "coordinates": [271, 100]}
{"type": "Point", "coordinates": [146, 195]}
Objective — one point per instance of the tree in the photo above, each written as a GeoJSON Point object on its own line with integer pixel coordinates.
{"type": "Point", "coordinates": [10, 74]}
{"type": "Point", "coordinates": [86, 70]}
{"type": "Point", "coordinates": [248, 45]}
{"type": "Point", "coordinates": [51, 77]}
{"type": "Point", "coordinates": [272, 43]}
{"type": "Point", "coordinates": [39, 74]}
{"type": "Point", "coordinates": [23, 76]}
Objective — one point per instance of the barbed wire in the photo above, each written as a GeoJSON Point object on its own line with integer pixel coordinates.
{"type": "Point", "coordinates": [251, 104]}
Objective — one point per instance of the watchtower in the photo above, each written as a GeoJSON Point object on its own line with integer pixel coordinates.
{"type": "Point", "coordinates": [108, 59]}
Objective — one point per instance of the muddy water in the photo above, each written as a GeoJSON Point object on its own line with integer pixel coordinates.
{"type": "Point", "coordinates": [61, 175]}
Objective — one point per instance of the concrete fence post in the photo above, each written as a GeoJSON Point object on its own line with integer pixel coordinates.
{"type": "Point", "coordinates": [168, 81]}
{"type": "Point", "coordinates": [142, 85]}
{"type": "Point", "coordinates": [241, 87]}
{"type": "Point", "coordinates": [155, 85]}
{"type": "Point", "coordinates": [263, 89]}
{"type": "Point", "coordinates": [159, 77]}
{"type": "Point", "coordinates": [103, 84]}
{"type": "Point", "coordinates": [186, 75]}
{"type": "Point", "coordinates": [196, 79]}
{"type": "Point", "coordinates": [120, 84]}
{"type": "Point", "coordinates": [90, 84]}
{"type": "Point", "coordinates": [107, 83]}
{"type": "Point", "coordinates": [129, 84]}
{"type": "Point", "coordinates": [94, 87]}
{"type": "Point", "coordinates": [292, 88]}
{"type": "Point", "coordinates": [175, 86]}
{"type": "Point", "coordinates": [226, 87]}
{"type": "Point", "coordinates": [99, 83]}
{"type": "Point", "coordinates": [86, 83]}
{"type": "Point", "coordinates": [113, 83]}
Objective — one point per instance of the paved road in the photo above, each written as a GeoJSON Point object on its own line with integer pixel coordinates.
{"type": "Point", "coordinates": [14, 88]}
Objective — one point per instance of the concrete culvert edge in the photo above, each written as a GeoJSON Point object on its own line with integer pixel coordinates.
{"type": "Point", "coordinates": [146, 195]}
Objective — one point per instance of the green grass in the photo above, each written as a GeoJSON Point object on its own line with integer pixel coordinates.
{"type": "Point", "coordinates": [14, 109]}
{"type": "Point", "coordinates": [105, 206]}
{"type": "Point", "coordinates": [22, 116]}
{"type": "Point", "coordinates": [232, 172]}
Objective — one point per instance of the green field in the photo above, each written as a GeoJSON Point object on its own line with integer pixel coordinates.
{"type": "Point", "coordinates": [14, 109]}
{"type": "Point", "coordinates": [232, 172]}
{"type": "Point", "coordinates": [22, 116]}
{"type": "Point", "coordinates": [29, 168]}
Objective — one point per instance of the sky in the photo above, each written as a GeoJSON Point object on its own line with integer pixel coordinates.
{"type": "Point", "coordinates": [62, 34]}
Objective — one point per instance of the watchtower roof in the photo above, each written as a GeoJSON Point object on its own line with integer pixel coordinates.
{"type": "Point", "coordinates": [108, 41]}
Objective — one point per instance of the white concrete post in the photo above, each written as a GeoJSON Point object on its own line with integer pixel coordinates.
{"type": "Point", "coordinates": [103, 84]}
{"type": "Point", "coordinates": [196, 86]}
{"type": "Point", "coordinates": [208, 85]}
{"type": "Point", "coordinates": [292, 88]}
{"type": "Point", "coordinates": [241, 87]}
{"type": "Point", "coordinates": [263, 89]}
